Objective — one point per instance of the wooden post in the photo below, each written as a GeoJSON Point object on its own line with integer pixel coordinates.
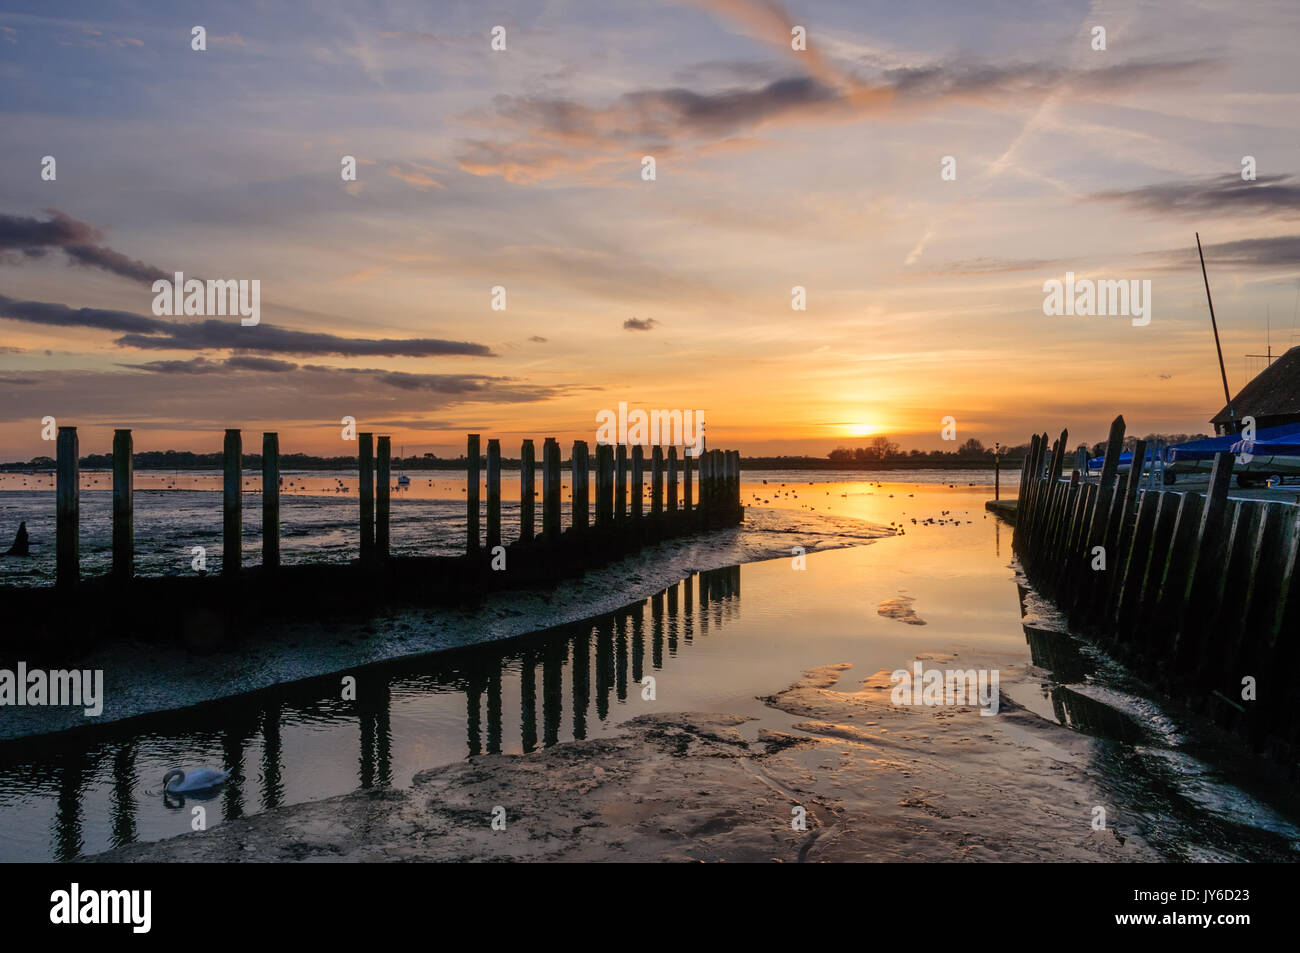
{"type": "Point", "coordinates": [735, 483]}
{"type": "Point", "coordinates": [657, 481]}
{"type": "Point", "coordinates": [67, 530]}
{"type": "Point", "coordinates": [233, 517]}
{"type": "Point", "coordinates": [638, 479]}
{"type": "Point", "coordinates": [672, 480]}
{"type": "Point", "coordinates": [471, 495]}
{"type": "Point", "coordinates": [271, 501]}
{"type": "Point", "coordinates": [527, 490]}
{"type": "Point", "coordinates": [123, 508]}
{"type": "Point", "coordinates": [551, 490]}
{"type": "Point", "coordinates": [366, 466]}
{"type": "Point", "coordinates": [620, 483]}
{"type": "Point", "coordinates": [493, 493]}
{"type": "Point", "coordinates": [1208, 553]}
{"type": "Point", "coordinates": [383, 495]}
{"type": "Point", "coordinates": [688, 464]}
{"type": "Point", "coordinates": [604, 485]}
{"type": "Point", "coordinates": [581, 497]}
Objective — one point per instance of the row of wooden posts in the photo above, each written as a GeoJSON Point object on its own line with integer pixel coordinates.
{"type": "Point", "coordinates": [718, 474]}
{"type": "Point", "coordinates": [1199, 592]}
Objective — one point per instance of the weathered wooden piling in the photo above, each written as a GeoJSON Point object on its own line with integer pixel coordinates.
{"type": "Point", "coordinates": [67, 519]}
{"type": "Point", "coordinates": [366, 469]}
{"type": "Point", "coordinates": [232, 524]}
{"type": "Point", "coordinates": [688, 464]}
{"type": "Point", "coordinates": [1195, 590]}
{"type": "Point", "coordinates": [581, 487]}
{"type": "Point", "coordinates": [383, 495]}
{"type": "Point", "coordinates": [527, 490]}
{"type": "Point", "coordinates": [656, 481]}
{"type": "Point", "coordinates": [672, 480]}
{"type": "Point", "coordinates": [551, 489]}
{"type": "Point", "coordinates": [493, 493]}
{"type": "Point", "coordinates": [604, 485]}
{"type": "Point", "coordinates": [620, 483]}
{"type": "Point", "coordinates": [638, 480]}
{"type": "Point", "coordinates": [271, 501]}
{"type": "Point", "coordinates": [472, 540]}
{"type": "Point", "coordinates": [123, 507]}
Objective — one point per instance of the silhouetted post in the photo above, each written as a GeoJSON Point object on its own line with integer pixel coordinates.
{"type": "Point", "coordinates": [232, 536]}
{"type": "Point", "coordinates": [527, 490]}
{"type": "Point", "coordinates": [271, 501]}
{"type": "Point", "coordinates": [471, 494]}
{"type": "Point", "coordinates": [734, 495]}
{"type": "Point", "coordinates": [604, 485]}
{"type": "Point", "coordinates": [672, 480]}
{"type": "Point", "coordinates": [493, 493]}
{"type": "Point", "coordinates": [580, 485]}
{"type": "Point", "coordinates": [366, 461]}
{"type": "Point", "coordinates": [638, 479]}
{"type": "Point", "coordinates": [620, 483]}
{"type": "Point", "coordinates": [383, 495]}
{"type": "Point", "coordinates": [687, 466]}
{"type": "Point", "coordinates": [123, 507]}
{"type": "Point", "coordinates": [656, 481]}
{"type": "Point", "coordinates": [67, 520]}
{"type": "Point", "coordinates": [551, 490]}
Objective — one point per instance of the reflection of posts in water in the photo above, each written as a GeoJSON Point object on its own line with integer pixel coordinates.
{"type": "Point", "coordinates": [473, 719]}
{"type": "Point", "coordinates": [272, 789]}
{"type": "Point", "coordinates": [494, 706]}
{"type": "Point", "coordinates": [703, 583]}
{"type": "Point", "coordinates": [232, 792]}
{"type": "Point", "coordinates": [604, 665]}
{"type": "Point", "coordinates": [552, 690]}
{"type": "Point", "coordinates": [688, 609]}
{"type": "Point", "coordinates": [373, 717]}
{"type": "Point", "coordinates": [67, 815]}
{"type": "Point", "coordinates": [672, 619]}
{"type": "Point", "coordinates": [581, 681]}
{"type": "Point", "coordinates": [124, 782]}
{"type": "Point", "coordinates": [657, 630]}
{"type": "Point", "coordinates": [528, 701]}
{"type": "Point", "coordinates": [637, 615]}
{"type": "Point", "coordinates": [620, 657]}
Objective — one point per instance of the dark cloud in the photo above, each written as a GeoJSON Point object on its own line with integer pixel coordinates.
{"type": "Point", "coordinates": [230, 335]}
{"type": "Point", "coordinates": [267, 364]}
{"type": "Point", "coordinates": [639, 324]}
{"type": "Point", "coordinates": [1282, 251]}
{"type": "Point", "coordinates": [537, 339]}
{"type": "Point", "coordinates": [195, 365]}
{"type": "Point", "coordinates": [101, 256]}
{"type": "Point", "coordinates": [78, 240]}
{"type": "Point", "coordinates": [60, 315]}
{"type": "Point", "coordinates": [1269, 194]}
{"type": "Point", "coordinates": [147, 333]}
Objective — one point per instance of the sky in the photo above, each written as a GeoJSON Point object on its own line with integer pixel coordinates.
{"type": "Point", "coordinates": [523, 169]}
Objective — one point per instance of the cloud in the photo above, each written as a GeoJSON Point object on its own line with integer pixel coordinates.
{"type": "Point", "coordinates": [147, 333]}
{"type": "Point", "coordinates": [553, 136]}
{"type": "Point", "coordinates": [1282, 251]}
{"type": "Point", "coordinates": [1229, 193]}
{"type": "Point", "coordinates": [60, 315]}
{"type": "Point", "coordinates": [77, 239]}
{"type": "Point", "coordinates": [639, 324]}
{"type": "Point", "coordinates": [419, 179]}
{"type": "Point", "coordinates": [115, 262]}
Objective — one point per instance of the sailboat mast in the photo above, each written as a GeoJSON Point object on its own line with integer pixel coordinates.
{"type": "Point", "coordinates": [1227, 397]}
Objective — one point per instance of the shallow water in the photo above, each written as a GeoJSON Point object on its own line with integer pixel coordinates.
{"type": "Point", "coordinates": [717, 641]}
{"type": "Point", "coordinates": [319, 515]}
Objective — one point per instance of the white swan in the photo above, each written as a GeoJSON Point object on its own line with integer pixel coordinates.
{"type": "Point", "coordinates": [200, 779]}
